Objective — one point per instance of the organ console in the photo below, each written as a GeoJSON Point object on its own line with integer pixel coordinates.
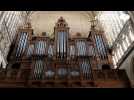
{"type": "Point", "coordinates": [60, 61]}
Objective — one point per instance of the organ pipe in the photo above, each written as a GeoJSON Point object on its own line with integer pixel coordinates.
{"type": "Point", "coordinates": [61, 43]}
{"type": "Point", "coordinates": [50, 51]}
{"type": "Point", "coordinates": [62, 72]}
{"type": "Point", "coordinates": [85, 68]}
{"type": "Point", "coordinates": [72, 50]}
{"type": "Point", "coordinates": [81, 48]}
{"type": "Point", "coordinates": [38, 70]}
{"type": "Point", "coordinates": [101, 46]}
{"type": "Point", "coordinates": [40, 48]}
{"type": "Point", "coordinates": [22, 44]}
{"type": "Point", "coordinates": [30, 50]}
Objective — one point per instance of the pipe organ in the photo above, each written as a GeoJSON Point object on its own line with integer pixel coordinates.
{"type": "Point", "coordinates": [59, 61]}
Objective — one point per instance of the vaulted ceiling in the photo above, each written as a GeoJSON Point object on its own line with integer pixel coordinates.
{"type": "Point", "coordinates": [78, 21]}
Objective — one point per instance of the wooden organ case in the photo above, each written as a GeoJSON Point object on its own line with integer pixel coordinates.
{"type": "Point", "coordinates": [40, 61]}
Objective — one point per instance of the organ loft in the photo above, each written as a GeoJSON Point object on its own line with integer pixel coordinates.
{"type": "Point", "coordinates": [61, 61]}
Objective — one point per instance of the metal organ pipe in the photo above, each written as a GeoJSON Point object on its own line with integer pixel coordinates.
{"type": "Point", "coordinates": [39, 66]}
{"type": "Point", "coordinates": [39, 44]}
{"type": "Point", "coordinates": [58, 42]}
{"type": "Point", "coordinates": [81, 47]}
{"type": "Point", "coordinates": [61, 43]}
{"type": "Point", "coordinates": [65, 41]}
{"type": "Point", "coordinates": [50, 51]}
{"type": "Point", "coordinates": [17, 51]}
{"type": "Point", "coordinates": [22, 44]}
{"type": "Point", "coordinates": [98, 45]}
{"type": "Point", "coordinates": [103, 47]}
{"type": "Point", "coordinates": [62, 72]}
{"type": "Point", "coordinates": [77, 45]}
{"type": "Point", "coordinates": [84, 46]}
{"type": "Point", "coordinates": [44, 47]}
{"type": "Point", "coordinates": [90, 49]}
{"type": "Point", "coordinates": [19, 45]}
{"type": "Point", "coordinates": [72, 50]}
{"type": "Point", "coordinates": [30, 51]}
{"type": "Point", "coordinates": [38, 69]}
{"type": "Point", "coordinates": [86, 69]}
{"type": "Point", "coordinates": [40, 48]}
{"type": "Point", "coordinates": [104, 43]}
{"type": "Point", "coordinates": [93, 52]}
{"type": "Point", "coordinates": [36, 48]}
{"type": "Point", "coordinates": [49, 73]}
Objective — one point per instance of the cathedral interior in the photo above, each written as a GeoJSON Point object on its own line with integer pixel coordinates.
{"type": "Point", "coordinates": [87, 49]}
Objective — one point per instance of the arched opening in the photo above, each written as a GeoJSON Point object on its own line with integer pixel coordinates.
{"type": "Point", "coordinates": [106, 67]}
